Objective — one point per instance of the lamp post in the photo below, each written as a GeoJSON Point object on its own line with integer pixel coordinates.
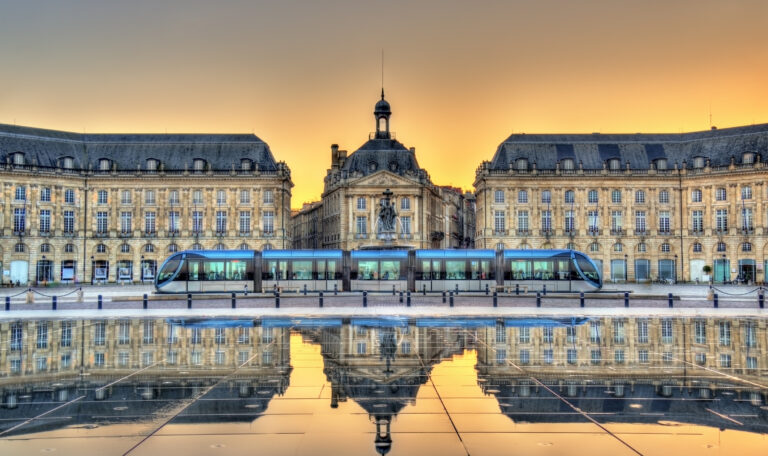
{"type": "Point", "coordinates": [626, 269]}
{"type": "Point", "coordinates": [141, 269]}
{"type": "Point", "coordinates": [93, 271]}
{"type": "Point", "coordinates": [674, 270]}
{"type": "Point", "coordinates": [725, 271]}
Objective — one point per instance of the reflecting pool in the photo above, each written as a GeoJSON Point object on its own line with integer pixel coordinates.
{"type": "Point", "coordinates": [352, 386]}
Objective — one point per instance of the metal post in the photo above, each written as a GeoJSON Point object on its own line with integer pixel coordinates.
{"type": "Point", "coordinates": [544, 290]}
{"type": "Point", "coordinates": [670, 300]}
{"type": "Point", "coordinates": [451, 299]}
{"type": "Point", "coordinates": [538, 299]}
{"type": "Point", "coordinates": [408, 299]}
{"type": "Point", "coordinates": [277, 299]}
{"type": "Point", "coordinates": [457, 289]}
{"type": "Point", "coordinates": [393, 291]}
{"type": "Point", "coordinates": [305, 289]}
{"type": "Point", "coordinates": [423, 290]}
{"type": "Point", "coordinates": [335, 289]}
{"type": "Point", "coordinates": [495, 299]}
{"type": "Point", "coordinates": [189, 300]}
{"type": "Point", "coordinates": [487, 290]}
{"type": "Point", "coordinates": [234, 301]}
{"type": "Point", "coordinates": [714, 298]}
{"type": "Point", "coordinates": [401, 297]}
{"type": "Point", "coordinates": [53, 302]}
{"type": "Point", "coordinates": [581, 299]}
{"type": "Point", "coordinates": [100, 301]}
{"type": "Point", "coordinates": [761, 300]}
{"type": "Point", "coordinates": [443, 296]}
{"type": "Point", "coordinates": [626, 299]}
{"type": "Point", "coordinates": [365, 299]}
{"type": "Point", "coordinates": [7, 303]}
{"type": "Point", "coordinates": [144, 300]}
{"type": "Point", "coordinates": [517, 288]}
{"type": "Point", "coordinates": [321, 299]}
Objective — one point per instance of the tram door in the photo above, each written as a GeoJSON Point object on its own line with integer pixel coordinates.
{"type": "Point", "coordinates": [194, 276]}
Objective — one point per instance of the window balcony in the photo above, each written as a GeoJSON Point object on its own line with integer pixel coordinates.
{"type": "Point", "coordinates": [269, 233]}
{"type": "Point", "coordinates": [523, 232]}
{"type": "Point", "coordinates": [173, 233]}
{"type": "Point", "coordinates": [125, 234]}
{"type": "Point", "coordinates": [721, 231]}
{"type": "Point", "coordinates": [150, 234]}
{"type": "Point", "coordinates": [101, 234]}
{"type": "Point", "coordinates": [593, 231]}
{"type": "Point", "coordinates": [220, 233]}
{"type": "Point", "coordinates": [406, 236]}
{"type": "Point", "coordinates": [617, 231]}
{"type": "Point", "coordinates": [547, 233]}
{"type": "Point", "coordinates": [570, 231]}
{"type": "Point", "coordinates": [244, 233]}
{"type": "Point", "coordinates": [696, 232]}
{"type": "Point", "coordinates": [641, 232]}
{"type": "Point", "coordinates": [499, 232]}
{"type": "Point", "coordinates": [666, 232]}
{"type": "Point", "coordinates": [361, 235]}
{"type": "Point", "coordinates": [748, 230]}
{"type": "Point", "coordinates": [44, 233]}
{"type": "Point", "coordinates": [68, 233]}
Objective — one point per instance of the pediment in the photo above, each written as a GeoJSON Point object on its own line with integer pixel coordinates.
{"type": "Point", "coordinates": [384, 179]}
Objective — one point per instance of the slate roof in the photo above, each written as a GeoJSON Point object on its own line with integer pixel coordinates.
{"type": "Point", "coordinates": [639, 149]}
{"type": "Point", "coordinates": [382, 154]}
{"type": "Point", "coordinates": [174, 151]}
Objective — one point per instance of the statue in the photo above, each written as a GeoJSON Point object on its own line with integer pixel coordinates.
{"type": "Point", "coordinates": [387, 214]}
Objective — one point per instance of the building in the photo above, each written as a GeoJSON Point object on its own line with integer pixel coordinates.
{"type": "Point", "coordinates": [111, 207]}
{"type": "Point", "coordinates": [644, 206]}
{"type": "Point", "coordinates": [459, 217]}
{"type": "Point", "coordinates": [307, 227]}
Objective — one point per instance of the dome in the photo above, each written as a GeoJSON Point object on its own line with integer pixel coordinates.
{"type": "Point", "coordinates": [382, 106]}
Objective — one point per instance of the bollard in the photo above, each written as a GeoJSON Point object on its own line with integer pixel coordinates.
{"type": "Point", "coordinates": [401, 297]}
{"type": "Point", "coordinates": [443, 296]}
{"type": "Point", "coordinates": [626, 299]}
{"type": "Point", "coordinates": [144, 300]}
{"type": "Point", "coordinates": [451, 300]}
{"type": "Point", "coordinates": [305, 289]}
{"type": "Point", "coordinates": [544, 290]}
{"type": "Point", "coordinates": [277, 299]}
{"type": "Point", "coordinates": [581, 299]}
{"type": "Point", "coordinates": [457, 289]}
{"type": "Point", "coordinates": [393, 291]}
{"type": "Point", "coordinates": [714, 298]}
{"type": "Point", "coordinates": [761, 300]}
{"type": "Point", "coordinates": [408, 299]}
{"type": "Point", "coordinates": [245, 290]}
{"type": "Point", "coordinates": [321, 299]}
{"type": "Point", "coordinates": [7, 303]}
{"type": "Point", "coordinates": [335, 289]}
{"type": "Point", "coordinates": [53, 303]}
{"type": "Point", "coordinates": [495, 299]}
{"type": "Point", "coordinates": [517, 289]}
{"type": "Point", "coordinates": [538, 299]}
{"type": "Point", "coordinates": [365, 299]}
{"type": "Point", "coordinates": [487, 290]}
{"type": "Point", "coordinates": [100, 301]}
{"type": "Point", "coordinates": [189, 300]}
{"type": "Point", "coordinates": [234, 302]}
{"type": "Point", "coordinates": [423, 290]}
{"type": "Point", "coordinates": [670, 300]}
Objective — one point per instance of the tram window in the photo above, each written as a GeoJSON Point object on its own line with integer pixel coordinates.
{"type": "Point", "coordinates": [270, 271]}
{"type": "Point", "coordinates": [455, 270]}
{"type": "Point", "coordinates": [213, 270]}
{"type": "Point", "coordinates": [543, 270]}
{"type": "Point", "coordinates": [332, 272]}
{"type": "Point", "coordinates": [521, 269]}
{"type": "Point", "coordinates": [563, 269]}
{"type": "Point", "coordinates": [237, 270]}
{"type": "Point", "coordinates": [367, 270]}
{"type": "Point", "coordinates": [390, 270]}
{"type": "Point", "coordinates": [301, 270]}
{"type": "Point", "coordinates": [481, 270]}
{"type": "Point", "coordinates": [168, 269]}
{"type": "Point", "coordinates": [320, 270]}
{"type": "Point", "coordinates": [194, 270]}
{"type": "Point", "coordinates": [282, 270]}
{"type": "Point", "coordinates": [425, 273]}
{"type": "Point", "coordinates": [587, 268]}
{"type": "Point", "coordinates": [436, 270]}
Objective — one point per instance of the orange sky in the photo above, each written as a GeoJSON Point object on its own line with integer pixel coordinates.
{"type": "Point", "coordinates": [461, 76]}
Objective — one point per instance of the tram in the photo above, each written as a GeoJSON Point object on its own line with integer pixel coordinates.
{"type": "Point", "coordinates": [201, 271]}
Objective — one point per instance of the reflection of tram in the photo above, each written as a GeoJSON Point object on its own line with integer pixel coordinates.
{"type": "Point", "coordinates": [372, 270]}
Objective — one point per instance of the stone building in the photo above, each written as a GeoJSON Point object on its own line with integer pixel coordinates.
{"type": "Point", "coordinates": [644, 206]}
{"type": "Point", "coordinates": [110, 207]}
{"type": "Point", "coordinates": [306, 226]}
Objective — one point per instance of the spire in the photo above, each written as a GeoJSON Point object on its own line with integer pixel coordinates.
{"type": "Point", "coordinates": [382, 93]}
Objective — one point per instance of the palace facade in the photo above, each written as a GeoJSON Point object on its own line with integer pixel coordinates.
{"type": "Point", "coordinates": [644, 206]}
{"type": "Point", "coordinates": [111, 207]}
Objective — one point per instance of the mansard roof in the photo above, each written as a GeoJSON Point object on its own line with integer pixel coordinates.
{"type": "Point", "coordinates": [640, 150]}
{"type": "Point", "coordinates": [175, 151]}
{"type": "Point", "coordinates": [382, 154]}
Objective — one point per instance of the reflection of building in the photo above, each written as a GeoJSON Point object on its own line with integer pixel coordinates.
{"type": "Point", "coordinates": [381, 368]}
{"type": "Point", "coordinates": [110, 207]}
{"type": "Point", "coordinates": [645, 206]}
{"type": "Point", "coordinates": [627, 367]}
{"type": "Point", "coordinates": [348, 216]}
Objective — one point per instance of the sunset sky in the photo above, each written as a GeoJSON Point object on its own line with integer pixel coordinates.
{"type": "Point", "coordinates": [460, 75]}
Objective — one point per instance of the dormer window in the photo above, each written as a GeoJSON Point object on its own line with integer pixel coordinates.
{"type": "Point", "coordinates": [567, 164]}
{"type": "Point", "coordinates": [18, 158]}
{"type": "Point", "coordinates": [152, 164]}
{"type": "Point", "coordinates": [661, 163]}
{"type": "Point", "coordinates": [614, 164]}
{"type": "Point", "coordinates": [68, 163]}
{"type": "Point", "coordinates": [521, 164]}
{"type": "Point", "coordinates": [198, 165]}
{"type": "Point", "coordinates": [747, 158]}
{"type": "Point", "coordinates": [698, 162]}
{"type": "Point", "coordinates": [245, 164]}
{"type": "Point", "coordinates": [104, 164]}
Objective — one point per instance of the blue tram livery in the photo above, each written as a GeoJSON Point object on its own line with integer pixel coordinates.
{"type": "Point", "coordinates": [200, 271]}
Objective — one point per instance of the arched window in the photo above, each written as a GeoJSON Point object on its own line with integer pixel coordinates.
{"type": "Point", "coordinates": [721, 247]}
{"type": "Point", "coordinates": [125, 248]}
{"type": "Point", "coordinates": [642, 247]}
{"type": "Point", "coordinates": [19, 248]}
{"type": "Point", "coordinates": [567, 164]}
{"type": "Point", "coordinates": [570, 196]}
{"type": "Point", "coordinates": [244, 246]}
{"type": "Point", "coordinates": [18, 158]}
{"type": "Point", "coordinates": [570, 246]}
{"type": "Point", "coordinates": [149, 248]}
{"type": "Point", "coordinates": [196, 246]}
{"type": "Point", "coordinates": [618, 247]}
{"type": "Point", "coordinates": [640, 197]}
{"type": "Point", "coordinates": [524, 246]}
{"type": "Point", "coordinates": [697, 247]}
{"type": "Point", "coordinates": [500, 246]}
{"type": "Point", "coordinates": [592, 196]}
{"type": "Point", "coordinates": [101, 248]}
{"type": "Point", "coordinates": [198, 165]}
{"type": "Point", "coordinates": [698, 162]}
{"type": "Point", "coordinates": [665, 248]}
{"type": "Point", "coordinates": [173, 248]}
{"type": "Point", "coordinates": [747, 158]}
{"type": "Point", "coordinates": [245, 164]}
{"type": "Point", "coordinates": [267, 246]}
{"type": "Point", "coordinates": [69, 248]}
{"type": "Point", "coordinates": [746, 247]}
{"type": "Point", "coordinates": [45, 248]}
{"type": "Point", "coordinates": [68, 163]}
{"type": "Point", "coordinates": [616, 196]}
{"type": "Point", "coordinates": [521, 164]}
{"type": "Point", "coordinates": [614, 164]}
{"type": "Point", "coordinates": [594, 247]}
{"type": "Point", "coordinates": [104, 164]}
{"type": "Point", "coordinates": [522, 196]}
{"type": "Point", "coordinates": [660, 163]}
{"type": "Point", "coordinates": [152, 164]}
{"type": "Point", "coordinates": [220, 246]}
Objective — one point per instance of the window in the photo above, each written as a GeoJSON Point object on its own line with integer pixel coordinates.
{"type": "Point", "coordinates": [245, 164]}
{"type": "Point", "coordinates": [666, 331]}
{"type": "Point", "coordinates": [149, 222]}
{"type": "Point", "coordinates": [547, 334]}
{"type": "Point", "coordinates": [618, 331]}
{"type": "Point", "coordinates": [498, 196]}
{"type": "Point", "coordinates": [614, 164]}
{"type": "Point", "coordinates": [592, 197]}
{"type": "Point", "coordinates": [173, 198]}
{"type": "Point", "coordinates": [245, 221]}
{"type": "Point", "coordinates": [750, 335]}
{"type": "Point", "coordinates": [405, 203]}
{"type": "Point", "coordinates": [720, 194]}
{"type": "Point", "coordinates": [221, 221]}
{"type": "Point", "coordinates": [173, 248]}
{"type": "Point", "coordinates": [721, 247]}
{"type": "Point", "coordinates": [149, 197]}
{"type": "Point", "coordinates": [746, 192]}
{"type": "Point", "coordinates": [642, 331]}
{"type": "Point", "coordinates": [618, 356]}
{"type": "Point", "coordinates": [173, 221]}
{"type": "Point", "coordinates": [616, 223]}
{"type": "Point", "coordinates": [594, 247]}
{"type": "Point", "coordinates": [101, 248]}
{"type": "Point", "coordinates": [747, 158]}
{"type": "Point", "coordinates": [19, 248]}
{"type": "Point", "coordinates": [361, 225]}
{"type": "Point", "coordinates": [501, 356]}
{"type": "Point", "coordinates": [362, 348]}
{"type": "Point", "coordinates": [221, 197]}
{"type": "Point", "coordinates": [124, 333]}
{"type": "Point", "coordinates": [525, 356]}
{"type": "Point", "coordinates": [197, 197]}
{"type": "Point", "coordinates": [524, 335]}
{"type": "Point", "coordinates": [197, 221]}
{"type": "Point", "coordinates": [664, 222]}
{"type": "Point", "coordinates": [125, 222]}
{"type": "Point", "coordinates": [618, 247]}
{"type": "Point", "coordinates": [522, 196]}
{"type": "Point", "coordinates": [45, 194]}
{"type": "Point", "coordinates": [696, 196]}
{"type": "Point", "coordinates": [572, 356]}
{"type": "Point", "coordinates": [149, 248]}
{"type": "Point", "coordinates": [269, 222]}
{"type": "Point", "coordinates": [499, 221]}
{"type": "Point", "coordinates": [721, 220]}
{"type": "Point", "coordinates": [549, 357]}
{"type": "Point", "coordinates": [616, 196]}
{"type": "Point", "coordinates": [245, 196]}
{"type": "Point", "coordinates": [269, 197]}
{"type": "Point", "coordinates": [700, 358]}
{"type": "Point", "coordinates": [546, 196]}
{"type": "Point", "coordinates": [101, 197]}
{"type": "Point", "coordinates": [698, 162]}
{"type": "Point", "coordinates": [594, 220]}
{"type": "Point", "coordinates": [69, 196]}
{"type": "Point", "coordinates": [521, 164]}
{"type": "Point", "coordinates": [642, 247]}
{"type": "Point", "coordinates": [567, 164]}
{"type": "Point", "coordinates": [746, 219]}
{"type": "Point", "coordinates": [640, 221]}
{"type": "Point", "coordinates": [406, 224]}
{"type": "Point", "coordinates": [595, 356]}
{"type": "Point", "coordinates": [45, 221]}
{"type": "Point", "coordinates": [104, 164]}
{"type": "Point", "coordinates": [198, 165]}
{"type": "Point", "coordinates": [125, 248]}
{"type": "Point", "coordinates": [640, 197]}
{"type": "Point", "coordinates": [361, 203]}
{"type": "Point", "coordinates": [661, 163]}
{"type": "Point", "coordinates": [68, 162]}
{"type": "Point", "coordinates": [570, 225]}
{"type": "Point", "coordinates": [125, 197]}
{"type": "Point", "coordinates": [751, 362]}
{"type": "Point", "coordinates": [725, 360]}
{"type": "Point", "coordinates": [700, 331]}
{"type": "Point", "coordinates": [665, 248]}
{"type": "Point", "coordinates": [151, 164]}
{"type": "Point", "coordinates": [42, 334]}
{"type": "Point", "coordinates": [546, 220]}
{"type": "Point", "coordinates": [522, 221]}
{"type": "Point", "coordinates": [725, 333]}
{"type": "Point", "coordinates": [697, 220]}
{"type": "Point", "coordinates": [642, 356]}
{"type": "Point", "coordinates": [69, 248]}
{"type": "Point", "coordinates": [664, 197]}
{"type": "Point", "coordinates": [102, 225]}
{"type": "Point", "coordinates": [696, 247]}
{"type": "Point", "coordinates": [570, 196]}
{"type": "Point", "coordinates": [594, 332]}
{"type": "Point", "coordinates": [746, 247]}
